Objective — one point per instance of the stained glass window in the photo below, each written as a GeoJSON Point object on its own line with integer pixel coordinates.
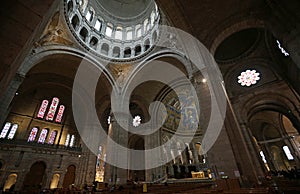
{"type": "Point", "coordinates": [67, 140]}
{"type": "Point", "coordinates": [52, 109]}
{"type": "Point", "coordinates": [32, 134]}
{"type": "Point", "coordinates": [60, 113]}
{"type": "Point", "coordinates": [13, 131]}
{"type": "Point", "coordinates": [43, 136]}
{"type": "Point", "coordinates": [72, 141]}
{"type": "Point", "coordinates": [52, 137]}
{"type": "Point", "coordinates": [5, 130]}
{"type": "Point", "coordinates": [248, 78]}
{"type": "Point", "coordinates": [43, 108]}
{"type": "Point", "coordinates": [136, 121]}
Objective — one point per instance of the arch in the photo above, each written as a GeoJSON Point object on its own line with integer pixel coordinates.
{"type": "Point", "coordinates": [129, 33]}
{"type": "Point", "coordinates": [75, 22]}
{"type": "Point", "coordinates": [70, 6]}
{"type": "Point", "coordinates": [98, 25]}
{"type": "Point", "coordinates": [137, 50]}
{"type": "Point", "coordinates": [127, 52]}
{"type": "Point", "coordinates": [116, 52]}
{"type": "Point", "coordinates": [105, 49]}
{"type": "Point", "coordinates": [119, 33]}
{"type": "Point", "coordinates": [10, 182]}
{"type": "Point", "coordinates": [146, 44]}
{"type": "Point", "coordinates": [69, 178]}
{"type": "Point", "coordinates": [270, 101]}
{"type": "Point", "coordinates": [83, 34]}
{"type": "Point", "coordinates": [154, 36]}
{"type": "Point", "coordinates": [94, 42]}
{"type": "Point", "coordinates": [34, 179]}
{"type": "Point", "coordinates": [54, 181]}
{"type": "Point", "coordinates": [231, 26]}
{"type": "Point", "coordinates": [109, 29]}
{"type": "Point", "coordinates": [90, 14]}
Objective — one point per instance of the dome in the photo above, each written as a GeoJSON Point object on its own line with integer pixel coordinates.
{"type": "Point", "coordinates": [114, 29]}
{"type": "Point", "coordinates": [126, 9]}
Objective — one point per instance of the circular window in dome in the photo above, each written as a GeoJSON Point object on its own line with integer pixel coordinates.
{"type": "Point", "coordinates": [114, 29]}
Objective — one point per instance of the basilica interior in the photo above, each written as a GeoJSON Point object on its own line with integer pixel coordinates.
{"type": "Point", "coordinates": [99, 93]}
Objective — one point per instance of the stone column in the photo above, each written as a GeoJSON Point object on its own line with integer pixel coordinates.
{"type": "Point", "coordinates": [115, 175]}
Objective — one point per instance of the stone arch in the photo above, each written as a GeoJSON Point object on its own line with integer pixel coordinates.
{"type": "Point", "coordinates": [35, 178]}
{"type": "Point", "coordinates": [231, 26]}
{"type": "Point", "coordinates": [69, 177]}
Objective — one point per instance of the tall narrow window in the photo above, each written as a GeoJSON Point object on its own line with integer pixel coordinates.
{"type": "Point", "coordinates": [138, 32]}
{"type": "Point", "coordinates": [288, 153]}
{"type": "Point", "coordinates": [119, 33]}
{"type": "Point", "coordinates": [5, 130]}
{"type": "Point", "coordinates": [43, 108]}
{"type": "Point", "coordinates": [98, 25]}
{"type": "Point", "coordinates": [43, 136]}
{"type": "Point", "coordinates": [32, 134]}
{"type": "Point", "coordinates": [146, 25]}
{"type": "Point", "coordinates": [263, 157]}
{"type": "Point", "coordinates": [72, 141]}
{"type": "Point", "coordinates": [67, 140]}
{"type": "Point", "coordinates": [52, 137]}
{"type": "Point", "coordinates": [129, 34]}
{"type": "Point", "coordinates": [89, 16]}
{"type": "Point", "coordinates": [13, 131]}
{"type": "Point", "coordinates": [52, 109]}
{"type": "Point", "coordinates": [60, 113]}
{"type": "Point", "coordinates": [108, 31]}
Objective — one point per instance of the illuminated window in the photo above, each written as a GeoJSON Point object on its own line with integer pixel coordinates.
{"type": "Point", "coordinates": [136, 121]}
{"type": "Point", "coordinates": [263, 157]}
{"type": "Point", "coordinates": [108, 31]}
{"type": "Point", "coordinates": [52, 109]}
{"type": "Point", "coordinates": [152, 17]}
{"type": "Point", "coordinates": [109, 120]}
{"type": "Point", "coordinates": [42, 109]}
{"type": "Point", "coordinates": [60, 113]}
{"type": "Point", "coordinates": [32, 134]}
{"type": "Point", "coordinates": [283, 51]}
{"type": "Point", "coordinates": [43, 136]}
{"type": "Point", "coordinates": [138, 32]}
{"type": "Point", "coordinates": [52, 137]}
{"type": "Point", "coordinates": [72, 141]}
{"type": "Point", "coordinates": [288, 153]}
{"type": "Point", "coordinates": [146, 25]}
{"type": "Point", "coordinates": [129, 34]}
{"type": "Point", "coordinates": [98, 25]}
{"type": "Point", "coordinates": [13, 131]}
{"type": "Point", "coordinates": [248, 78]}
{"type": "Point", "coordinates": [89, 16]}
{"type": "Point", "coordinates": [67, 140]}
{"type": "Point", "coordinates": [5, 130]}
{"type": "Point", "coordinates": [119, 33]}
